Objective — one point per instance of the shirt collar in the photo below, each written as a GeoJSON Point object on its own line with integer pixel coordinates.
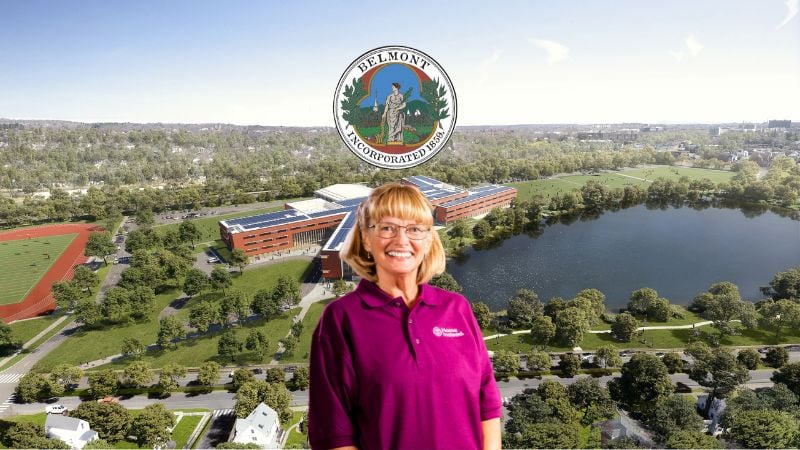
{"type": "Point", "coordinates": [374, 297]}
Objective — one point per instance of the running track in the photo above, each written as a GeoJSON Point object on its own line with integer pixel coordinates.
{"type": "Point", "coordinates": [40, 298]}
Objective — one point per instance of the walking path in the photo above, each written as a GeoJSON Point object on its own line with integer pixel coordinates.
{"type": "Point", "coordinates": [661, 327]}
{"type": "Point", "coordinates": [33, 340]}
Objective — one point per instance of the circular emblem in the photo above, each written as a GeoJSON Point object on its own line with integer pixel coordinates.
{"type": "Point", "coordinates": [437, 331]}
{"type": "Point", "coordinates": [395, 107]}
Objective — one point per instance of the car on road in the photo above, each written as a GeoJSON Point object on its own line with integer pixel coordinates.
{"type": "Point", "coordinates": [55, 409]}
{"type": "Point", "coordinates": [213, 260]}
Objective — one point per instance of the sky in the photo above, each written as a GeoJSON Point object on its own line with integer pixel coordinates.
{"type": "Point", "coordinates": [511, 62]}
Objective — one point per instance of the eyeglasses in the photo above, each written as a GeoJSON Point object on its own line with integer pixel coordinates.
{"type": "Point", "coordinates": [389, 230]}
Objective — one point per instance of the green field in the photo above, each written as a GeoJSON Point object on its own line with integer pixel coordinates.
{"type": "Point", "coordinates": [24, 330]}
{"type": "Point", "coordinates": [85, 346]}
{"type": "Point", "coordinates": [23, 262]}
{"type": "Point", "coordinates": [615, 180]}
{"type": "Point", "coordinates": [309, 324]}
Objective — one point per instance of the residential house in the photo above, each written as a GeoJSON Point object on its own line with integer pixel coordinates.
{"type": "Point", "coordinates": [75, 432]}
{"type": "Point", "coordinates": [261, 427]}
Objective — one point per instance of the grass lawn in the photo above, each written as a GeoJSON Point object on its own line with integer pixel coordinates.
{"type": "Point", "coordinates": [195, 351]}
{"type": "Point", "coordinates": [309, 324]}
{"type": "Point", "coordinates": [295, 436]}
{"type": "Point", "coordinates": [184, 429]}
{"type": "Point", "coordinates": [24, 330]}
{"type": "Point", "coordinates": [23, 262]}
{"type": "Point", "coordinates": [614, 180]}
{"type": "Point", "coordinates": [209, 226]}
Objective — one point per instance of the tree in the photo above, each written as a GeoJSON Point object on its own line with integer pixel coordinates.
{"type": "Point", "coordinates": [555, 305]}
{"type": "Point", "coordinates": [257, 343]}
{"type": "Point", "coordinates": [460, 230]}
{"type": "Point", "coordinates": [672, 414]}
{"type": "Point", "coordinates": [116, 304]}
{"type": "Point", "coordinates": [8, 342]}
{"type": "Point", "coordinates": [234, 303]}
{"type": "Point", "coordinates": [35, 386]}
{"type": "Point", "coordinates": [289, 344]}
{"type": "Point", "coordinates": [523, 308]}
{"type": "Point", "coordinates": [481, 230]}
{"type": "Point", "coordinates": [151, 426]}
{"type": "Point", "coordinates": [445, 281]}
{"type": "Point", "coordinates": [30, 435]}
{"type": "Point", "coordinates": [776, 356]}
{"type": "Point", "coordinates": [777, 314]}
{"type": "Point", "coordinates": [85, 278]}
{"type": "Point", "coordinates": [203, 315]}
{"type": "Point", "coordinates": [640, 301]}
{"type": "Point", "coordinates": [196, 280]}
{"type": "Point", "coordinates": [539, 361]}
{"type": "Point", "coordinates": [169, 375]}
{"type": "Point", "coordinates": [274, 395]}
{"type": "Point", "coordinates": [97, 444]}
{"type": "Point", "coordinates": [220, 278]}
{"type": "Point", "coordinates": [67, 295]}
{"type": "Point", "coordinates": [788, 374]}
{"type": "Point", "coordinates": [66, 375]}
{"type": "Point", "coordinates": [265, 303]}
{"type": "Point", "coordinates": [275, 375]}
{"type": "Point", "coordinates": [170, 329]}
{"type": "Point", "coordinates": [240, 377]}
{"type": "Point", "coordinates": [505, 363]}
{"type": "Point", "coordinates": [482, 313]}
{"type": "Point", "coordinates": [144, 218]}
{"type": "Point", "coordinates": [658, 310]}
{"type": "Point", "coordinates": [341, 287]}
{"type": "Point", "coordinates": [749, 358]}
{"type": "Point", "coordinates": [716, 369]}
{"type": "Point", "coordinates": [786, 285]}
{"type": "Point", "coordinates": [111, 420]}
{"type": "Point", "coordinates": [188, 232]}
{"type": "Point", "coordinates": [692, 439]}
{"type": "Point", "coordinates": [238, 259]}
{"type": "Point", "coordinates": [607, 356]}
{"type": "Point", "coordinates": [571, 324]}
{"type": "Point", "coordinates": [132, 348]}
{"type": "Point", "coordinates": [208, 373]}
{"type": "Point", "coordinates": [569, 364]}
{"type": "Point", "coordinates": [228, 346]}
{"type": "Point", "coordinates": [763, 428]}
{"type": "Point", "coordinates": [102, 383]}
{"type": "Point", "coordinates": [300, 379]}
{"type": "Point", "coordinates": [142, 302]}
{"type": "Point", "coordinates": [137, 374]}
{"type": "Point", "coordinates": [546, 435]}
{"type": "Point", "coordinates": [287, 290]}
{"type": "Point", "coordinates": [624, 327]}
{"type": "Point", "coordinates": [643, 382]}
{"type": "Point", "coordinates": [673, 362]}
{"type": "Point", "coordinates": [297, 328]}
{"type": "Point", "coordinates": [596, 298]}
{"type": "Point", "coordinates": [588, 396]}
{"type": "Point", "coordinates": [99, 244]}
{"type": "Point", "coordinates": [542, 330]}
{"type": "Point", "coordinates": [88, 313]}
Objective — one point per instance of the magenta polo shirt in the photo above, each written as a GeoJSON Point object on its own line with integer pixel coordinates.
{"type": "Point", "coordinates": [386, 377]}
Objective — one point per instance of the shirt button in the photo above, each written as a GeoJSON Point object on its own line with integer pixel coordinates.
{"type": "Point", "coordinates": [410, 320]}
{"type": "Point", "coordinates": [417, 341]}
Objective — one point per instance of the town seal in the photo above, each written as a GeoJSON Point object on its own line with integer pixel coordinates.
{"type": "Point", "coordinates": [395, 107]}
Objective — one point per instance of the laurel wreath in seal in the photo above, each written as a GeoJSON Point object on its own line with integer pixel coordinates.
{"type": "Point", "coordinates": [431, 90]}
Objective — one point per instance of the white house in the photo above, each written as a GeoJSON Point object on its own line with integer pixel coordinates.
{"type": "Point", "coordinates": [75, 432]}
{"type": "Point", "coordinates": [712, 425]}
{"type": "Point", "coordinates": [261, 427]}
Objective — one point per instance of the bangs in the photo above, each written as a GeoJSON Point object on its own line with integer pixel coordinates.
{"type": "Point", "coordinates": [401, 201]}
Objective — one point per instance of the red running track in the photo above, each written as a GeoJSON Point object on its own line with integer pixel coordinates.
{"type": "Point", "coordinates": [40, 298]}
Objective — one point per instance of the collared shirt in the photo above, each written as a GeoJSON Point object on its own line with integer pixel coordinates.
{"type": "Point", "coordinates": [386, 376]}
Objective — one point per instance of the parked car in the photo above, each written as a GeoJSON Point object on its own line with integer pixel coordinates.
{"type": "Point", "coordinates": [258, 371]}
{"type": "Point", "coordinates": [55, 409]}
{"type": "Point", "coordinates": [213, 260]}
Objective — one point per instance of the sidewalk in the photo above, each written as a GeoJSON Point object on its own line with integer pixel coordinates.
{"type": "Point", "coordinates": [663, 327]}
{"type": "Point", "coordinates": [32, 340]}
{"type": "Point", "coordinates": [318, 293]}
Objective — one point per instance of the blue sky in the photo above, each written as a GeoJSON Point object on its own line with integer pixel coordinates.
{"type": "Point", "coordinates": [278, 63]}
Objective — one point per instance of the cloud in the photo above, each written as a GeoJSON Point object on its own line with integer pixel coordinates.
{"type": "Point", "coordinates": [693, 48]}
{"type": "Point", "coordinates": [792, 7]}
{"type": "Point", "coordinates": [488, 64]}
{"type": "Point", "coordinates": [555, 51]}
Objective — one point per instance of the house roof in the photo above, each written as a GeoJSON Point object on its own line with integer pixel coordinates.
{"type": "Point", "coordinates": [63, 422]}
{"type": "Point", "coordinates": [262, 418]}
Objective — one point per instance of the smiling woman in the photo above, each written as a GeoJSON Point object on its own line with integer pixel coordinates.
{"type": "Point", "coordinates": [398, 363]}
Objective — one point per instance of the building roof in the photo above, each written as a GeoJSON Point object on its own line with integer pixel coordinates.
{"type": "Point", "coordinates": [336, 240]}
{"type": "Point", "coordinates": [338, 192]}
{"type": "Point", "coordinates": [477, 193]}
{"type": "Point", "coordinates": [262, 419]}
{"type": "Point", "coordinates": [313, 205]}
{"type": "Point", "coordinates": [63, 422]}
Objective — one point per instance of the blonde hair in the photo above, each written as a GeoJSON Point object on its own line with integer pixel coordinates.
{"type": "Point", "coordinates": [399, 200]}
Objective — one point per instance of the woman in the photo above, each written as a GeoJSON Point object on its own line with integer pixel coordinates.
{"type": "Point", "coordinates": [398, 363]}
{"type": "Point", "coordinates": [393, 116]}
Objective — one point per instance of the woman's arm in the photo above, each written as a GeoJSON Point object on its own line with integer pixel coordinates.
{"type": "Point", "coordinates": [491, 434]}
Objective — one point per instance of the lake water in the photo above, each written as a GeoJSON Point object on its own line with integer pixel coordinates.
{"type": "Point", "coordinates": [678, 252]}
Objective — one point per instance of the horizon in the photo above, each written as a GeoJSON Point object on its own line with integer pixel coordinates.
{"type": "Point", "coordinates": [248, 62]}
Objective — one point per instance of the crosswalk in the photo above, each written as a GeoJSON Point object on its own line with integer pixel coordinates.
{"type": "Point", "coordinates": [7, 404]}
{"type": "Point", "coordinates": [222, 413]}
{"type": "Point", "coordinates": [10, 378]}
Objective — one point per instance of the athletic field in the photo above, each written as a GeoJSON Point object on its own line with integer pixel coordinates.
{"type": "Point", "coordinates": [23, 262]}
{"type": "Point", "coordinates": [615, 179]}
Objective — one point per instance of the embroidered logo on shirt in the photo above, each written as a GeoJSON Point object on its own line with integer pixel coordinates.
{"type": "Point", "coordinates": [447, 332]}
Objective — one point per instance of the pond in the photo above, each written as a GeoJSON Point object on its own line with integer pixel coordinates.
{"type": "Point", "coordinates": [679, 252]}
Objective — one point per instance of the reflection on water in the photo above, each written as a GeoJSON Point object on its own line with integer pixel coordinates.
{"type": "Point", "coordinates": [679, 252]}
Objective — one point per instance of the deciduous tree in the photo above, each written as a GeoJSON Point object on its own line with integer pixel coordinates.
{"type": "Point", "coordinates": [137, 374]}
{"type": "Point", "coordinates": [151, 426]}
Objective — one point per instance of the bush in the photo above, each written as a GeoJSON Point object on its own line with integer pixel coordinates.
{"type": "Point", "coordinates": [776, 357]}
{"type": "Point", "coordinates": [749, 358]}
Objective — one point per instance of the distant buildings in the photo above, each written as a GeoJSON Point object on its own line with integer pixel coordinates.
{"type": "Point", "coordinates": [326, 220]}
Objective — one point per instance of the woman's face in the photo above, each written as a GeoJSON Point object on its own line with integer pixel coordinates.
{"type": "Point", "coordinates": [395, 89]}
{"type": "Point", "coordinates": [398, 256]}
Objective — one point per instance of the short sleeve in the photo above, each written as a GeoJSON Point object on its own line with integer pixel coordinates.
{"type": "Point", "coordinates": [332, 385]}
{"type": "Point", "coordinates": [491, 403]}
